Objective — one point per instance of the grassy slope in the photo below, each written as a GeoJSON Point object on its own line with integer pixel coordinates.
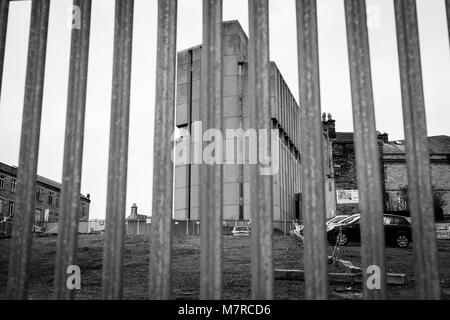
{"type": "Point", "coordinates": [236, 279]}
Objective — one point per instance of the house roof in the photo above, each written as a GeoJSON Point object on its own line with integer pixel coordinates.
{"type": "Point", "coordinates": [437, 145]}
{"type": "Point", "coordinates": [12, 170]}
{"type": "Point", "coordinates": [137, 217]}
{"type": "Point", "coordinates": [344, 137]}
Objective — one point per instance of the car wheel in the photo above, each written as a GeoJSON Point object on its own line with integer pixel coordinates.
{"type": "Point", "coordinates": [402, 240]}
{"type": "Point", "coordinates": [341, 239]}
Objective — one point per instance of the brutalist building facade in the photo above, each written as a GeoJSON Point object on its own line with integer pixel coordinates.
{"type": "Point", "coordinates": [285, 119]}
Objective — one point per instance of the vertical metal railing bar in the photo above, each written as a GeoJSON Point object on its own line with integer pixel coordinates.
{"type": "Point", "coordinates": [366, 146]}
{"type": "Point", "coordinates": [417, 154]}
{"type": "Point", "coordinates": [118, 152]}
{"type": "Point", "coordinates": [447, 9]}
{"type": "Point", "coordinates": [313, 182]}
{"type": "Point", "coordinates": [261, 185]}
{"type": "Point", "coordinates": [4, 11]}
{"type": "Point", "coordinates": [210, 187]}
{"type": "Point", "coordinates": [29, 152]}
{"type": "Point", "coordinates": [73, 151]}
{"type": "Point", "coordinates": [161, 228]}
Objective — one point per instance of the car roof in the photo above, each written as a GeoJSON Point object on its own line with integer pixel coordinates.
{"type": "Point", "coordinates": [394, 216]}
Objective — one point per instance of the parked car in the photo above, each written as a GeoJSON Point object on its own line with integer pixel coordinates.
{"type": "Point", "coordinates": [340, 219]}
{"type": "Point", "coordinates": [337, 218]}
{"type": "Point", "coordinates": [335, 221]}
{"type": "Point", "coordinates": [241, 231]}
{"type": "Point", "coordinates": [397, 230]}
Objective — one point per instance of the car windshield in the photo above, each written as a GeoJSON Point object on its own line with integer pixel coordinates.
{"type": "Point", "coordinates": [351, 219]}
{"type": "Point", "coordinates": [338, 219]}
{"type": "Point", "coordinates": [240, 229]}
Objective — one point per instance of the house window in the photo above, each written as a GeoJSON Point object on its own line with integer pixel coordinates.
{"type": "Point", "coordinates": [13, 185]}
{"type": "Point", "coordinates": [39, 193]}
{"type": "Point", "coordinates": [83, 210]}
{"type": "Point", "coordinates": [38, 216]}
{"type": "Point", "coordinates": [11, 207]}
{"type": "Point", "coordinates": [50, 197]}
{"type": "Point", "coordinates": [2, 182]}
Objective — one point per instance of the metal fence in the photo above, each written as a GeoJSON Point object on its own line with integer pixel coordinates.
{"type": "Point", "coordinates": [315, 258]}
{"type": "Point", "coordinates": [192, 227]}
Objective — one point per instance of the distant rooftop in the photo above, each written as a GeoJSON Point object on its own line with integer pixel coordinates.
{"type": "Point", "coordinates": [344, 137]}
{"type": "Point", "coordinates": [40, 179]}
{"type": "Point", "coordinates": [437, 144]}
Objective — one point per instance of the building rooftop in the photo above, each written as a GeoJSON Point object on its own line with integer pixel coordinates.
{"type": "Point", "coordinates": [342, 137]}
{"type": "Point", "coordinates": [437, 144]}
{"type": "Point", "coordinates": [133, 217]}
{"type": "Point", "coordinates": [12, 170]}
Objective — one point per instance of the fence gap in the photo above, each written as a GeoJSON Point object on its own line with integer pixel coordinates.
{"type": "Point", "coordinates": [118, 152]}
{"type": "Point", "coordinates": [29, 152]}
{"type": "Point", "coordinates": [161, 228]}
{"type": "Point", "coordinates": [261, 186]}
{"type": "Point", "coordinates": [366, 146]}
{"type": "Point", "coordinates": [210, 191]}
{"type": "Point", "coordinates": [73, 151]}
{"type": "Point", "coordinates": [313, 182]}
{"type": "Point", "coordinates": [420, 197]}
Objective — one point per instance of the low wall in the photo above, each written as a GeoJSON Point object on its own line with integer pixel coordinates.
{"type": "Point", "coordinates": [53, 227]}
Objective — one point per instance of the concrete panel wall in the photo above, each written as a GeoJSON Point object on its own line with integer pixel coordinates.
{"type": "Point", "coordinates": [236, 115]}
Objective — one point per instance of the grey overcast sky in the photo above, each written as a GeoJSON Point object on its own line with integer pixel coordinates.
{"type": "Point", "coordinates": [335, 89]}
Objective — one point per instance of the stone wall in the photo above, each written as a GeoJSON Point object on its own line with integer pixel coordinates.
{"type": "Point", "coordinates": [396, 177]}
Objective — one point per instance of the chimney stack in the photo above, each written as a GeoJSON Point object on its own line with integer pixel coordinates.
{"type": "Point", "coordinates": [134, 211]}
{"type": "Point", "coordinates": [329, 126]}
{"type": "Point", "coordinates": [384, 137]}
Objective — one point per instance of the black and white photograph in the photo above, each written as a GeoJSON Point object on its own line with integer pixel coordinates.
{"type": "Point", "coordinates": [230, 152]}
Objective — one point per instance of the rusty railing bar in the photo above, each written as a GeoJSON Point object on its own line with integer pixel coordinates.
{"type": "Point", "coordinates": [210, 191]}
{"type": "Point", "coordinates": [417, 154]}
{"type": "Point", "coordinates": [29, 152]}
{"type": "Point", "coordinates": [161, 227]}
{"type": "Point", "coordinates": [118, 152]}
{"type": "Point", "coordinates": [313, 182]}
{"type": "Point", "coordinates": [447, 9]}
{"type": "Point", "coordinates": [366, 146]}
{"type": "Point", "coordinates": [73, 152]}
{"type": "Point", "coordinates": [261, 186]}
{"type": "Point", "coordinates": [4, 11]}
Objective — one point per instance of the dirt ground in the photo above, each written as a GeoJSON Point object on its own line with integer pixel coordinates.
{"type": "Point", "coordinates": [288, 254]}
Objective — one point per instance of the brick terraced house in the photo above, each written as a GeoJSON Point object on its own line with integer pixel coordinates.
{"type": "Point", "coordinates": [393, 172]}
{"type": "Point", "coordinates": [47, 199]}
{"type": "Point", "coordinates": [396, 176]}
